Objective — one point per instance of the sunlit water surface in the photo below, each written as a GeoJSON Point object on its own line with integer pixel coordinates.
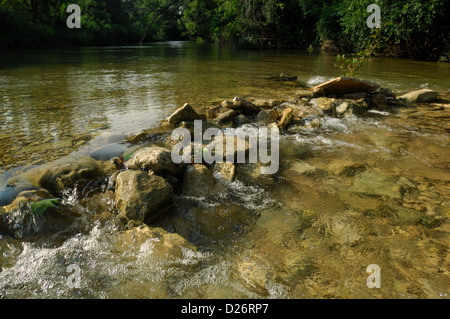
{"type": "Point", "coordinates": [350, 192]}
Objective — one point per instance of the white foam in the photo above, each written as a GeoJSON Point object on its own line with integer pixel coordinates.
{"type": "Point", "coordinates": [316, 80]}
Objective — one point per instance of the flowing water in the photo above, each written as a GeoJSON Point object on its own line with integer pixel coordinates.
{"type": "Point", "coordinates": [350, 192]}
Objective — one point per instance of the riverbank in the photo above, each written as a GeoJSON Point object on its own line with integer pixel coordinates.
{"type": "Point", "coordinates": [344, 194]}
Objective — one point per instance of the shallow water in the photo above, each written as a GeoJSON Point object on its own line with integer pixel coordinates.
{"type": "Point", "coordinates": [350, 192]}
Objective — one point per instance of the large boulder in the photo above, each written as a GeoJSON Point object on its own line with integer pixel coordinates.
{"type": "Point", "coordinates": [185, 113]}
{"type": "Point", "coordinates": [141, 196]}
{"type": "Point", "coordinates": [58, 176]}
{"type": "Point", "coordinates": [420, 96]}
{"type": "Point", "coordinates": [155, 158]}
{"type": "Point", "coordinates": [346, 85]}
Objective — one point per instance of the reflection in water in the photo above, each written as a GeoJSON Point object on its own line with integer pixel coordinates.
{"type": "Point", "coordinates": [59, 98]}
{"type": "Point", "coordinates": [350, 192]}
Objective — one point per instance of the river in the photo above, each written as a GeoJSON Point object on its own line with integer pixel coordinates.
{"type": "Point", "coordinates": [308, 232]}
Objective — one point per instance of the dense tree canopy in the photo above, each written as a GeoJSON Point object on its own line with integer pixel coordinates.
{"type": "Point", "coordinates": [410, 28]}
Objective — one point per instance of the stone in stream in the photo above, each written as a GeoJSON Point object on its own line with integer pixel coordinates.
{"type": "Point", "coordinates": [68, 173]}
{"type": "Point", "coordinates": [241, 119]}
{"type": "Point", "coordinates": [325, 104]}
{"type": "Point", "coordinates": [231, 147]}
{"type": "Point", "coordinates": [155, 158]}
{"type": "Point", "coordinates": [215, 111]}
{"type": "Point", "coordinates": [348, 108]}
{"type": "Point", "coordinates": [198, 180]}
{"type": "Point", "coordinates": [185, 113]}
{"type": "Point", "coordinates": [355, 96]}
{"type": "Point", "coordinates": [229, 115]}
{"type": "Point", "coordinates": [386, 92]}
{"type": "Point", "coordinates": [346, 85]}
{"type": "Point", "coordinates": [246, 107]}
{"type": "Point", "coordinates": [420, 96]}
{"type": "Point", "coordinates": [229, 105]}
{"type": "Point", "coordinates": [141, 196]}
{"type": "Point", "coordinates": [163, 243]}
{"type": "Point", "coordinates": [267, 116]}
{"type": "Point", "coordinates": [266, 103]}
{"type": "Point", "coordinates": [18, 220]}
{"type": "Point", "coordinates": [286, 118]}
{"type": "Point", "coordinates": [300, 110]}
{"type": "Point", "coordinates": [240, 106]}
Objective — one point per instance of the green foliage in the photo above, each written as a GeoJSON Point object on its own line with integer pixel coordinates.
{"type": "Point", "coordinates": [349, 65]}
{"type": "Point", "coordinates": [410, 28]}
{"type": "Point", "coordinates": [41, 206]}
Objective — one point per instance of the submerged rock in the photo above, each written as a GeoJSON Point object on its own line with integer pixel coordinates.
{"type": "Point", "coordinates": [376, 184]}
{"type": "Point", "coordinates": [185, 113]}
{"type": "Point", "coordinates": [12, 187]}
{"type": "Point", "coordinates": [141, 196]}
{"type": "Point", "coordinates": [155, 158]}
{"type": "Point", "coordinates": [299, 167]}
{"type": "Point", "coordinates": [420, 96]}
{"type": "Point", "coordinates": [198, 180]}
{"type": "Point", "coordinates": [107, 152]}
{"type": "Point", "coordinates": [345, 229]}
{"type": "Point", "coordinates": [341, 166]}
